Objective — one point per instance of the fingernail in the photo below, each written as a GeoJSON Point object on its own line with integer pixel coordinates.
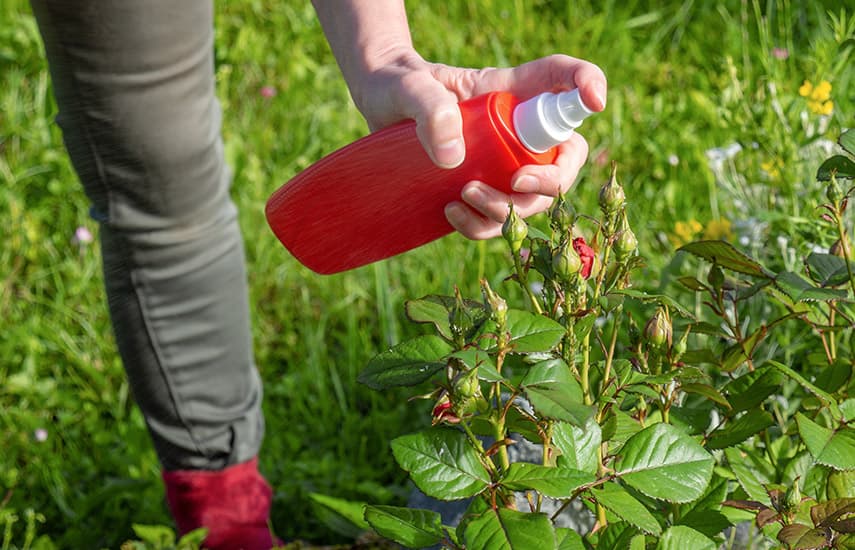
{"type": "Point", "coordinates": [526, 184]}
{"type": "Point", "coordinates": [455, 214]}
{"type": "Point", "coordinates": [600, 92]}
{"type": "Point", "coordinates": [473, 195]}
{"type": "Point", "coordinates": [450, 154]}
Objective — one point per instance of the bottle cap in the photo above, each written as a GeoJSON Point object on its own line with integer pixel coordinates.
{"type": "Point", "coordinates": [548, 119]}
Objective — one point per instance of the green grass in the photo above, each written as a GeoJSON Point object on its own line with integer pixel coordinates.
{"type": "Point", "coordinates": [684, 78]}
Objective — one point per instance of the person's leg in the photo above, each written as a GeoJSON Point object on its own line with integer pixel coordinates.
{"type": "Point", "coordinates": [135, 86]}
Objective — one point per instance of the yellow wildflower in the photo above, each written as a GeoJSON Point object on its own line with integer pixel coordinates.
{"type": "Point", "coordinates": [718, 229]}
{"type": "Point", "coordinates": [819, 97]}
{"type": "Point", "coordinates": [685, 232]}
{"type": "Point", "coordinates": [772, 167]}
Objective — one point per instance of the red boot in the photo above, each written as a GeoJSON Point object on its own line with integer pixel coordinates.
{"type": "Point", "coordinates": [233, 503]}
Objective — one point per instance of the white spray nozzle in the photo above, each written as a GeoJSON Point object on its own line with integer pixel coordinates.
{"type": "Point", "coordinates": [548, 119]}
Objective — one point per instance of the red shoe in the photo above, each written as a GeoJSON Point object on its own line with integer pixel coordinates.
{"type": "Point", "coordinates": [233, 504]}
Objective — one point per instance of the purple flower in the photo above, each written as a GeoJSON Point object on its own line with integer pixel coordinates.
{"type": "Point", "coordinates": [82, 236]}
{"type": "Point", "coordinates": [780, 53]}
{"type": "Point", "coordinates": [267, 92]}
{"type": "Point", "coordinates": [40, 434]}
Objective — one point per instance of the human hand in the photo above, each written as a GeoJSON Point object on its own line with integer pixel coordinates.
{"type": "Point", "coordinates": [409, 87]}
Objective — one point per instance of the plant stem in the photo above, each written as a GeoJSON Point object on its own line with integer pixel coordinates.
{"type": "Point", "coordinates": [844, 245]}
{"type": "Point", "coordinates": [523, 280]}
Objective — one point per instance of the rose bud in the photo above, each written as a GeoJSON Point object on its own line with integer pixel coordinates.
{"type": "Point", "coordinates": [514, 230]}
{"type": "Point", "coordinates": [658, 330]}
{"type": "Point", "coordinates": [586, 253]}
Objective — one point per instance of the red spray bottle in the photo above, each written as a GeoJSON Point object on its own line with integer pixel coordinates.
{"type": "Point", "coordinates": [382, 195]}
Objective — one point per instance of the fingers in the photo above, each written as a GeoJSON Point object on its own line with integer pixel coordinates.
{"type": "Point", "coordinates": [483, 210]}
{"type": "Point", "coordinates": [439, 124]}
{"type": "Point", "coordinates": [547, 74]}
{"type": "Point", "coordinates": [553, 179]}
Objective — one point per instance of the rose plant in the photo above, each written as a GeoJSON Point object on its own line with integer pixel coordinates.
{"type": "Point", "coordinates": [671, 424]}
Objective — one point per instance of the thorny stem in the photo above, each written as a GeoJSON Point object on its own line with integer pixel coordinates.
{"type": "Point", "coordinates": [844, 241]}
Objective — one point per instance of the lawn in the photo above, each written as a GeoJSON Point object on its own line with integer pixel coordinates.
{"type": "Point", "coordinates": [708, 119]}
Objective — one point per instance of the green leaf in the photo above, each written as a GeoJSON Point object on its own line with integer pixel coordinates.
{"type": "Point", "coordinates": [442, 463]}
{"type": "Point", "coordinates": [824, 398]}
{"type": "Point", "coordinates": [841, 166]}
{"type": "Point", "coordinates": [159, 535]}
{"type": "Point", "coordinates": [726, 256]}
{"type": "Point", "coordinates": [412, 528]}
{"type": "Point", "coordinates": [533, 333]}
{"type": "Point", "coordinates": [750, 475]}
{"type": "Point", "coordinates": [407, 364]}
{"type": "Point", "coordinates": [752, 388]}
{"type": "Point", "coordinates": [800, 290]}
{"type": "Point", "coordinates": [479, 359]}
{"type": "Point", "coordinates": [659, 299]}
{"type": "Point", "coordinates": [617, 500]}
{"type": "Point", "coordinates": [342, 516]}
{"type": "Point", "coordinates": [835, 448]}
{"type": "Point", "coordinates": [847, 141]}
{"type": "Point", "coordinates": [431, 309]}
{"type": "Point", "coordinates": [554, 482]}
{"type": "Point", "coordinates": [740, 429]}
{"type": "Point", "coordinates": [664, 463]}
{"type": "Point", "coordinates": [553, 391]}
{"type": "Point", "coordinates": [680, 537]}
{"type": "Point", "coordinates": [705, 390]}
{"type": "Point", "coordinates": [827, 269]}
{"type": "Point", "coordinates": [841, 484]}
{"type": "Point", "coordinates": [578, 446]}
{"type": "Point", "coordinates": [505, 529]}
{"type": "Point", "coordinates": [568, 539]}
{"type": "Point", "coordinates": [704, 514]}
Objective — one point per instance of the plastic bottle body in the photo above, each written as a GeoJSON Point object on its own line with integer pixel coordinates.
{"type": "Point", "coordinates": [382, 195]}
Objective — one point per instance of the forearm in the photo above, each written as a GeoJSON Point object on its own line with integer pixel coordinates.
{"type": "Point", "coordinates": [364, 35]}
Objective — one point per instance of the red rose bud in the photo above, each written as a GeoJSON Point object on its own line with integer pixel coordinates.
{"type": "Point", "coordinates": [514, 230]}
{"type": "Point", "coordinates": [566, 263]}
{"type": "Point", "coordinates": [443, 412]}
{"type": "Point", "coordinates": [586, 253]}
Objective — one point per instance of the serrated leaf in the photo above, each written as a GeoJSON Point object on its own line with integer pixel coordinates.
{"type": "Point", "coordinates": [827, 269]}
{"type": "Point", "coordinates": [802, 537]}
{"type": "Point", "coordinates": [750, 477]}
{"type": "Point", "coordinates": [824, 397]}
{"type": "Point", "coordinates": [680, 537]}
{"type": "Point", "coordinates": [692, 284]}
{"type": "Point", "coordinates": [475, 358]}
{"type": "Point", "coordinates": [842, 167]}
{"type": "Point", "coordinates": [342, 516]}
{"type": "Point", "coordinates": [752, 388]}
{"type": "Point", "coordinates": [533, 333]}
{"type": "Point", "coordinates": [442, 463]}
{"type": "Point", "coordinates": [825, 513]}
{"type": "Point", "coordinates": [617, 534]}
{"type": "Point", "coordinates": [617, 500]}
{"type": "Point", "coordinates": [664, 463]}
{"type": "Point", "coordinates": [705, 390]}
{"type": "Point", "coordinates": [659, 299]}
{"type": "Point", "coordinates": [841, 484]}
{"type": "Point", "coordinates": [554, 482]}
{"type": "Point", "coordinates": [412, 528]}
{"type": "Point", "coordinates": [737, 431]}
{"type": "Point", "coordinates": [505, 529]}
{"type": "Point", "coordinates": [800, 290]}
{"type": "Point", "coordinates": [431, 309]}
{"type": "Point", "coordinates": [568, 539]}
{"type": "Point", "coordinates": [835, 448]}
{"type": "Point", "coordinates": [578, 445]}
{"type": "Point", "coordinates": [726, 256]}
{"type": "Point", "coordinates": [553, 391]}
{"type": "Point", "coordinates": [407, 364]}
